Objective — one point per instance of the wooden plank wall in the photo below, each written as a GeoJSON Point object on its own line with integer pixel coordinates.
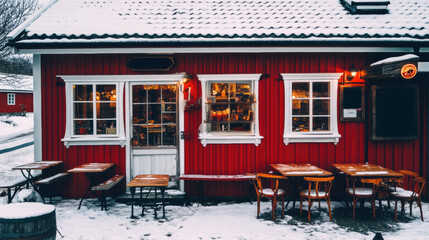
{"type": "Point", "coordinates": [20, 98]}
{"type": "Point", "coordinates": [226, 159]}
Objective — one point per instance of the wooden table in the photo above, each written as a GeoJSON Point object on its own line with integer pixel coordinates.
{"type": "Point", "coordinates": [295, 172]}
{"type": "Point", "coordinates": [362, 170]}
{"type": "Point", "coordinates": [300, 170]}
{"type": "Point", "coordinates": [42, 165]}
{"type": "Point", "coordinates": [91, 170]}
{"type": "Point", "coordinates": [150, 181]}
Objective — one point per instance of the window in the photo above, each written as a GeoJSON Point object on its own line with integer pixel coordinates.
{"type": "Point", "coordinates": [311, 107]}
{"type": "Point", "coordinates": [230, 109]}
{"type": "Point", "coordinates": [11, 99]}
{"type": "Point", "coordinates": [94, 115]}
{"type": "Point", "coordinates": [154, 115]}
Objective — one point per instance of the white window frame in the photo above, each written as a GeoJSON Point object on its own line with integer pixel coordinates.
{"type": "Point", "coordinates": [11, 99]}
{"type": "Point", "coordinates": [326, 136]}
{"type": "Point", "coordinates": [70, 139]}
{"type": "Point", "coordinates": [223, 137]}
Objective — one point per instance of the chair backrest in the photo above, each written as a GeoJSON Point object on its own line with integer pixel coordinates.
{"type": "Point", "coordinates": [419, 183]}
{"type": "Point", "coordinates": [319, 184]}
{"type": "Point", "coordinates": [408, 181]}
{"type": "Point", "coordinates": [260, 176]}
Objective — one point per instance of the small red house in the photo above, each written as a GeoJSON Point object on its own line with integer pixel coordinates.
{"type": "Point", "coordinates": [268, 82]}
{"type": "Point", "coordinates": [16, 93]}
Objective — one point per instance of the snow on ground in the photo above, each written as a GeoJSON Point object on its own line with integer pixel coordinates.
{"type": "Point", "coordinates": [219, 221]}
{"type": "Point", "coordinates": [12, 126]}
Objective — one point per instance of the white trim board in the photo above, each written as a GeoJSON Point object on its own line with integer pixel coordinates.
{"type": "Point", "coordinates": [37, 106]}
{"type": "Point", "coordinates": [423, 67]}
{"type": "Point", "coordinates": [168, 50]}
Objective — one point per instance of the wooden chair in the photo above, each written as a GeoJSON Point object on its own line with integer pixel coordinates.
{"type": "Point", "coordinates": [367, 191]}
{"type": "Point", "coordinates": [318, 188]}
{"type": "Point", "coordinates": [271, 193]}
{"type": "Point", "coordinates": [410, 192]}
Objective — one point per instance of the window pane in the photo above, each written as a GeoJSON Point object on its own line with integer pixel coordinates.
{"type": "Point", "coordinates": [106, 110]}
{"type": "Point", "coordinates": [106, 93]}
{"type": "Point", "coordinates": [220, 90]}
{"type": "Point", "coordinates": [154, 93]}
{"type": "Point", "coordinates": [321, 89]}
{"type": "Point", "coordinates": [83, 127]}
{"type": "Point", "coordinates": [139, 94]}
{"type": "Point", "coordinates": [106, 127]}
{"type": "Point", "coordinates": [139, 136]}
{"type": "Point", "coordinates": [139, 113]}
{"type": "Point", "coordinates": [300, 90]}
{"type": "Point", "coordinates": [170, 107]}
{"type": "Point", "coordinates": [82, 110]}
{"type": "Point", "coordinates": [300, 107]}
{"type": "Point", "coordinates": [169, 118]}
{"type": "Point", "coordinates": [243, 93]}
{"type": "Point", "coordinates": [154, 114]}
{"type": "Point", "coordinates": [321, 107]}
{"type": "Point", "coordinates": [169, 135]}
{"type": "Point", "coordinates": [321, 124]}
{"type": "Point", "coordinates": [169, 93]}
{"type": "Point", "coordinates": [82, 92]}
{"type": "Point", "coordinates": [300, 124]}
{"type": "Point", "coordinates": [154, 135]}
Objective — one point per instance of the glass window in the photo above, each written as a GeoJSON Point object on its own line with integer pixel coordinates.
{"type": "Point", "coordinates": [94, 114]}
{"type": "Point", "coordinates": [311, 107]}
{"type": "Point", "coordinates": [154, 115]}
{"type": "Point", "coordinates": [11, 99]}
{"type": "Point", "coordinates": [230, 109]}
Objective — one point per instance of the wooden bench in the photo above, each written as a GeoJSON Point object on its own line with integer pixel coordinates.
{"type": "Point", "coordinates": [106, 186]}
{"type": "Point", "coordinates": [16, 185]}
{"type": "Point", "coordinates": [49, 181]}
{"type": "Point", "coordinates": [200, 178]}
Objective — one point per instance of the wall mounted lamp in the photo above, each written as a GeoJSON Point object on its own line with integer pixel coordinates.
{"type": "Point", "coordinates": [353, 72]}
{"type": "Point", "coordinates": [186, 78]}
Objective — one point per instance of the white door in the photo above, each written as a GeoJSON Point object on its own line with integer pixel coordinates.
{"type": "Point", "coordinates": [154, 127]}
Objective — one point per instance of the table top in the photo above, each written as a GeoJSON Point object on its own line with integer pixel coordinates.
{"type": "Point", "coordinates": [300, 170]}
{"type": "Point", "coordinates": [366, 170]}
{"type": "Point", "coordinates": [37, 165]}
{"type": "Point", "coordinates": [91, 168]}
{"type": "Point", "coordinates": [149, 180]}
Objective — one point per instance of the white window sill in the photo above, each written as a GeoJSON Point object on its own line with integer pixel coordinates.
{"type": "Point", "coordinates": [93, 141]}
{"type": "Point", "coordinates": [311, 138]}
{"type": "Point", "coordinates": [229, 139]}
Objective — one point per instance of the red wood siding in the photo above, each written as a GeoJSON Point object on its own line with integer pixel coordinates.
{"type": "Point", "coordinates": [20, 98]}
{"type": "Point", "coordinates": [231, 158]}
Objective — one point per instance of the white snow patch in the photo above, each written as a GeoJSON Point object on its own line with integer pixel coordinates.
{"type": "Point", "coordinates": [25, 210]}
{"type": "Point", "coordinates": [396, 59]}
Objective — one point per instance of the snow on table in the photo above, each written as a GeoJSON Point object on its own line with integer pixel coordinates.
{"type": "Point", "coordinates": [25, 210]}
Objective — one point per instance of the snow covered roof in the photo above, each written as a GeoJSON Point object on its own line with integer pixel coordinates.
{"type": "Point", "coordinates": [16, 83]}
{"type": "Point", "coordinates": [154, 21]}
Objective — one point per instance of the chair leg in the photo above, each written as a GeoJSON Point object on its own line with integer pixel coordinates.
{"type": "Point", "coordinates": [396, 210]}
{"type": "Point", "coordinates": [373, 207]}
{"type": "Point", "coordinates": [402, 207]}
{"type": "Point", "coordinates": [354, 207]}
{"type": "Point", "coordinates": [283, 206]}
{"type": "Point", "coordinates": [411, 208]}
{"type": "Point", "coordinates": [309, 206]}
{"type": "Point", "coordinates": [419, 203]}
{"type": "Point", "coordinates": [259, 206]}
{"type": "Point", "coordinates": [328, 201]}
{"type": "Point", "coordinates": [300, 205]}
{"type": "Point", "coordinates": [274, 204]}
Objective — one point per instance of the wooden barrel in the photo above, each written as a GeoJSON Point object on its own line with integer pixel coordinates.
{"type": "Point", "coordinates": [27, 221]}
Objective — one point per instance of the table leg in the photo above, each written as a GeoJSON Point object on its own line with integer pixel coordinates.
{"type": "Point", "coordinates": [155, 201]}
{"type": "Point", "coordinates": [163, 202]}
{"type": "Point", "coordinates": [80, 203]}
{"type": "Point", "coordinates": [133, 191]}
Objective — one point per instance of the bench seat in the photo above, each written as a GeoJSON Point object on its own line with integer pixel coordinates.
{"type": "Point", "coordinates": [201, 177]}
{"type": "Point", "coordinates": [105, 186]}
{"type": "Point", "coordinates": [108, 184]}
{"type": "Point", "coordinates": [16, 184]}
{"type": "Point", "coordinates": [52, 179]}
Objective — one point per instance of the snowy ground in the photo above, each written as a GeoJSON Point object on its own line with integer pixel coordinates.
{"type": "Point", "coordinates": [219, 221]}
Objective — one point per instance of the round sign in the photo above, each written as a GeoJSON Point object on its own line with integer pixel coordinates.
{"type": "Point", "coordinates": [408, 71]}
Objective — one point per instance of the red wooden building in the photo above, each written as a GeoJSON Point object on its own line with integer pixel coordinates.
{"type": "Point", "coordinates": [16, 93]}
{"type": "Point", "coordinates": [269, 82]}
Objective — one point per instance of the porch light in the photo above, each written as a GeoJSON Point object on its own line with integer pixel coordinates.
{"type": "Point", "coordinates": [186, 78]}
{"type": "Point", "coordinates": [353, 72]}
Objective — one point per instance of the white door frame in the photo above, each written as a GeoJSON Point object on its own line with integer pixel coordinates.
{"type": "Point", "coordinates": [154, 80]}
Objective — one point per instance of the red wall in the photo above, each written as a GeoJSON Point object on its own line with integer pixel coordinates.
{"type": "Point", "coordinates": [231, 158]}
{"type": "Point", "coordinates": [20, 98]}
